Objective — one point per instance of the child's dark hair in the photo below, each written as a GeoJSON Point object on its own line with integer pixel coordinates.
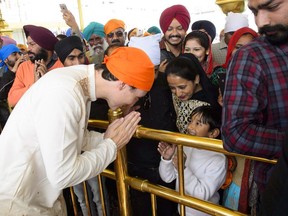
{"type": "Point", "coordinates": [209, 115]}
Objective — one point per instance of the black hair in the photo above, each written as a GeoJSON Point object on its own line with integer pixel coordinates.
{"type": "Point", "coordinates": [182, 67]}
{"type": "Point", "coordinates": [187, 66]}
{"type": "Point", "coordinates": [200, 36]}
{"type": "Point", "coordinates": [61, 36]}
{"type": "Point", "coordinates": [106, 74]}
{"type": "Point", "coordinates": [209, 115]}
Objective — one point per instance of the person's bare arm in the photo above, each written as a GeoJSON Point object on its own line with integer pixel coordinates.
{"type": "Point", "coordinates": [71, 22]}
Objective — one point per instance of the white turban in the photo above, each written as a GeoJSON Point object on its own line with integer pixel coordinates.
{"type": "Point", "coordinates": [149, 44]}
{"type": "Point", "coordinates": [235, 21]}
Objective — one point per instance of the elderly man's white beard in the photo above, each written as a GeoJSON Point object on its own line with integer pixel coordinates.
{"type": "Point", "coordinates": [98, 49]}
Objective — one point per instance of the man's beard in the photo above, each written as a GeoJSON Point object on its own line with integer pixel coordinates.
{"type": "Point", "coordinates": [10, 63]}
{"type": "Point", "coordinates": [43, 54]}
{"type": "Point", "coordinates": [97, 49]}
{"type": "Point", "coordinates": [277, 34]}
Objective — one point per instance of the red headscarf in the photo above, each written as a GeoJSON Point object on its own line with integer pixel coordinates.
{"type": "Point", "coordinates": [179, 12]}
{"type": "Point", "coordinates": [204, 38]}
{"type": "Point", "coordinates": [233, 41]}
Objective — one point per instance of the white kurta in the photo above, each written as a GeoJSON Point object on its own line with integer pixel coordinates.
{"type": "Point", "coordinates": [204, 173]}
{"type": "Point", "coordinates": [41, 144]}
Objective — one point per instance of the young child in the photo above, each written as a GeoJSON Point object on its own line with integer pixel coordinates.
{"type": "Point", "coordinates": [204, 171]}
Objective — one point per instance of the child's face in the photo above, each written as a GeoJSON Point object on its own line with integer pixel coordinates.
{"type": "Point", "coordinates": [197, 128]}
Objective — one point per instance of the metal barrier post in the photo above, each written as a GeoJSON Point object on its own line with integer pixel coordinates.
{"type": "Point", "coordinates": [121, 172]}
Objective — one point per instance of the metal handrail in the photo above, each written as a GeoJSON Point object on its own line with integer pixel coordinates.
{"type": "Point", "coordinates": [183, 139]}
{"type": "Point", "coordinates": [123, 180]}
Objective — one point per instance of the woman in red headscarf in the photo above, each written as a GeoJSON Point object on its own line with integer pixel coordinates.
{"type": "Point", "coordinates": [240, 38]}
{"type": "Point", "coordinates": [198, 43]}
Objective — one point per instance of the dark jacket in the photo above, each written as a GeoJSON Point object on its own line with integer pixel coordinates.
{"type": "Point", "coordinates": [274, 198]}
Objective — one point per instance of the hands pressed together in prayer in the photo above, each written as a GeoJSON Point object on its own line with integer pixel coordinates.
{"type": "Point", "coordinates": [121, 130]}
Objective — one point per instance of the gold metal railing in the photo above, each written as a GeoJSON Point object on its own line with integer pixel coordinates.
{"type": "Point", "coordinates": [183, 139]}
{"type": "Point", "coordinates": [123, 181]}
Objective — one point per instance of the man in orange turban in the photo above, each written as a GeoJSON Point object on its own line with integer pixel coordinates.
{"type": "Point", "coordinates": [115, 32]}
{"type": "Point", "coordinates": [122, 64]}
{"type": "Point", "coordinates": [47, 131]}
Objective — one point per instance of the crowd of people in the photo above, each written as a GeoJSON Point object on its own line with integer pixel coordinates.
{"type": "Point", "coordinates": [170, 78]}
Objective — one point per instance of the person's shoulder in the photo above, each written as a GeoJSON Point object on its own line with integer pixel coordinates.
{"type": "Point", "coordinates": [215, 45]}
{"type": "Point", "coordinates": [259, 43]}
{"type": "Point", "coordinates": [211, 155]}
{"type": "Point", "coordinates": [26, 63]}
{"type": "Point", "coordinates": [258, 48]}
{"type": "Point", "coordinates": [57, 64]}
{"type": "Point", "coordinates": [220, 45]}
{"type": "Point", "coordinates": [25, 66]}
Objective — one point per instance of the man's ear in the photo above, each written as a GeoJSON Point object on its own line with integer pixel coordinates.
{"type": "Point", "coordinates": [214, 133]}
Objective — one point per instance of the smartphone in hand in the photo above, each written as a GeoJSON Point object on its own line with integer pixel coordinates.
{"type": "Point", "coordinates": [63, 8]}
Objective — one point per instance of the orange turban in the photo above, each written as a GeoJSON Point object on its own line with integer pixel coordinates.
{"type": "Point", "coordinates": [178, 12]}
{"type": "Point", "coordinates": [112, 25]}
{"type": "Point", "coordinates": [132, 66]}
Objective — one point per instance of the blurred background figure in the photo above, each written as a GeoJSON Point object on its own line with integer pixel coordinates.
{"type": "Point", "coordinates": [154, 30]}
{"type": "Point", "coordinates": [205, 26]}
{"type": "Point", "coordinates": [5, 40]}
{"type": "Point", "coordinates": [10, 60]}
{"type": "Point", "coordinates": [24, 50]}
{"type": "Point", "coordinates": [234, 21]}
{"type": "Point", "coordinates": [134, 32]}
{"type": "Point", "coordinates": [95, 36]}
{"type": "Point", "coordinates": [115, 32]}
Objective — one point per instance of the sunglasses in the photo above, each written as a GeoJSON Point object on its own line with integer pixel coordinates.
{"type": "Point", "coordinates": [118, 34]}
